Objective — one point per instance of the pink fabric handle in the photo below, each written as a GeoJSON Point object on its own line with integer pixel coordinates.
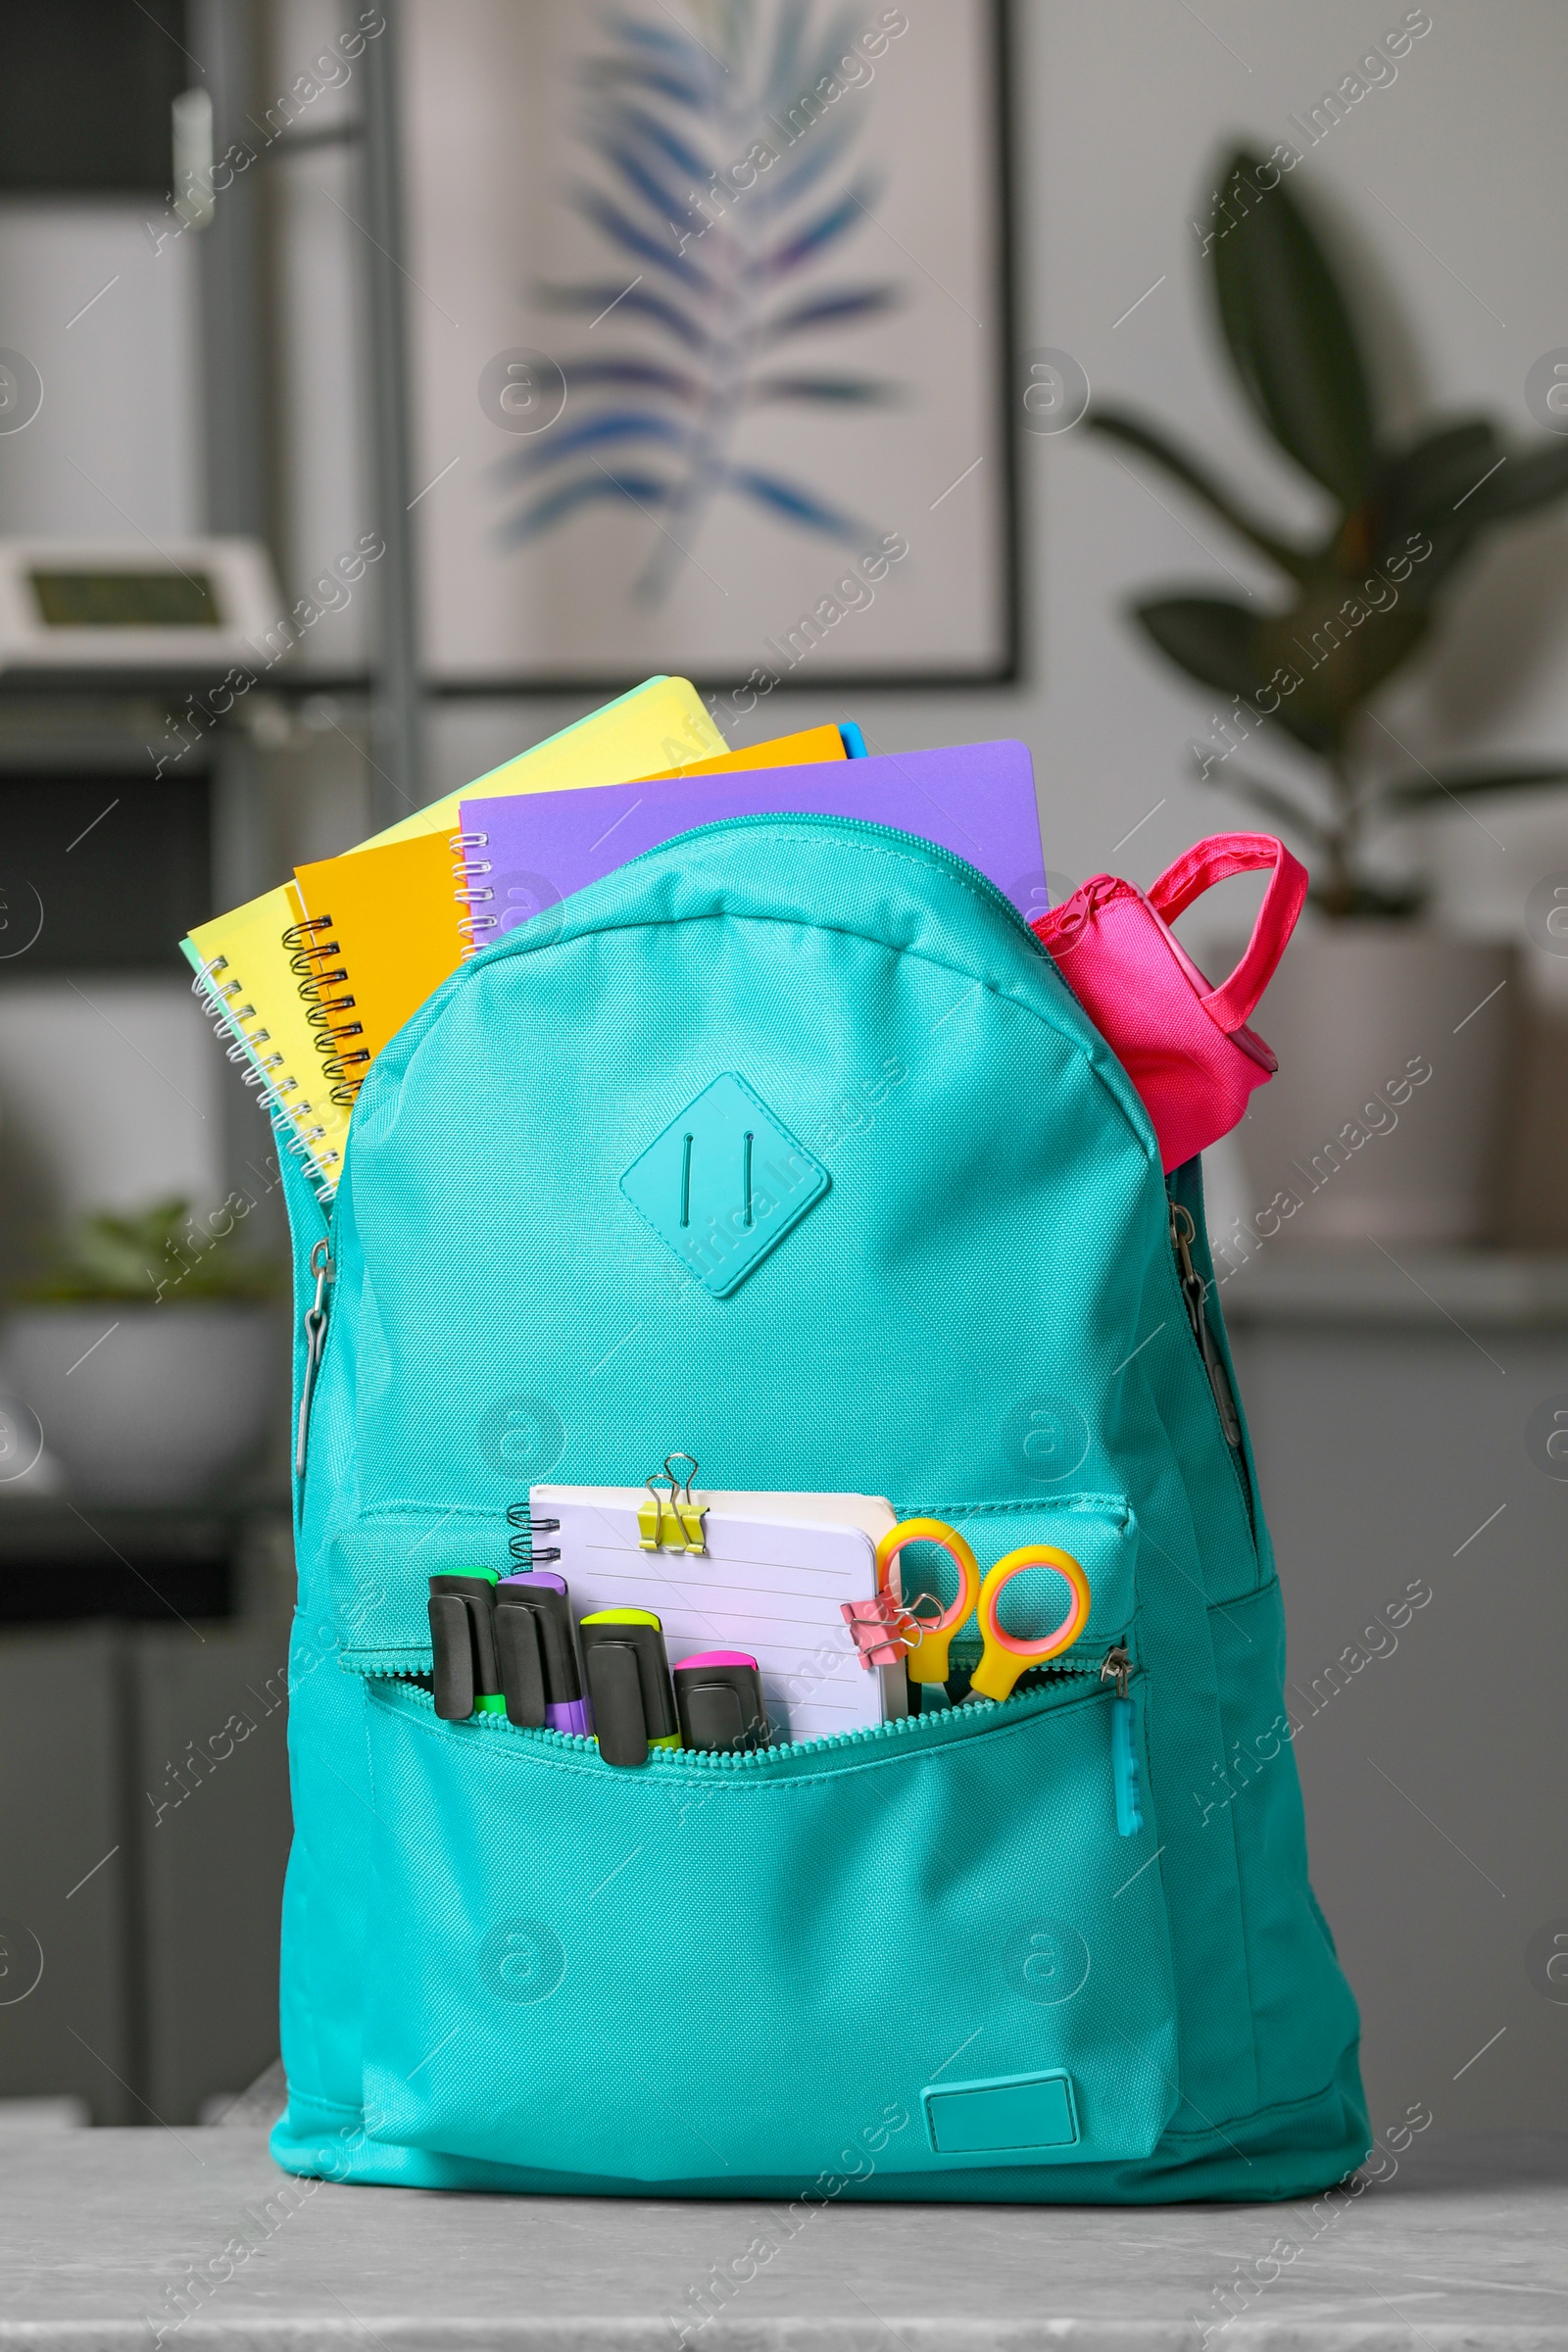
{"type": "Point", "coordinates": [1214, 860]}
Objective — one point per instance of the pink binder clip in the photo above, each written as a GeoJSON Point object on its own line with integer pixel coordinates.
{"type": "Point", "coordinates": [882, 1630]}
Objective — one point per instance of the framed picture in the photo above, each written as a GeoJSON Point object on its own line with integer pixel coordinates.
{"type": "Point", "coordinates": [709, 317]}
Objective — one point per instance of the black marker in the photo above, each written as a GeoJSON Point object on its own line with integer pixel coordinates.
{"type": "Point", "coordinates": [536, 1652]}
{"type": "Point", "coordinates": [463, 1638]}
{"type": "Point", "coordinates": [628, 1683]}
{"type": "Point", "coordinates": [718, 1694]}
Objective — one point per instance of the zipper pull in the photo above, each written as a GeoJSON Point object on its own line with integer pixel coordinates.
{"type": "Point", "coordinates": [1183, 1233]}
{"type": "Point", "coordinates": [1117, 1667]}
{"type": "Point", "coordinates": [322, 1268]}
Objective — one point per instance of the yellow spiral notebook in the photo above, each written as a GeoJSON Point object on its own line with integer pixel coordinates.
{"type": "Point", "coordinates": [250, 963]}
{"type": "Point", "coordinates": [375, 935]}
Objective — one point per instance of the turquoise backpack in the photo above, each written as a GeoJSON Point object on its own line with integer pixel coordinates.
{"type": "Point", "coordinates": [938, 1959]}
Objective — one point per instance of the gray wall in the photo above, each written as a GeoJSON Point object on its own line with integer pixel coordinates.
{"type": "Point", "coordinates": [1436, 1772]}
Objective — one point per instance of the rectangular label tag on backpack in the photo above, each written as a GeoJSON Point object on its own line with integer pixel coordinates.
{"type": "Point", "coordinates": [1009, 2115]}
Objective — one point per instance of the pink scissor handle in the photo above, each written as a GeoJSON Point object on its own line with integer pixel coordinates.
{"type": "Point", "coordinates": [1214, 860]}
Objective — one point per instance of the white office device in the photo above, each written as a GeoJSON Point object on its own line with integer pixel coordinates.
{"type": "Point", "coordinates": [96, 605]}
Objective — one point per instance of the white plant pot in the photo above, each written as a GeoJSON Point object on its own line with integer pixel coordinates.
{"type": "Point", "coordinates": [149, 1405]}
{"type": "Point", "coordinates": [1395, 1051]}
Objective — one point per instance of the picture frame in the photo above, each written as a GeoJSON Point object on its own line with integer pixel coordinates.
{"type": "Point", "coordinates": [749, 424]}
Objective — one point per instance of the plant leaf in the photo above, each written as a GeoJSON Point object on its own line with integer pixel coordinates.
{"type": "Point", "coordinates": [1422, 481]}
{"type": "Point", "coordinates": [153, 1251]}
{"type": "Point", "coordinates": [1525, 479]}
{"type": "Point", "coordinates": [785, 69]}
{"type": "Point", "coordinates": [837, 36]}
{"type": "Point", "coordinates": [663, 202]}
{"type": "Point", "coordinates": [865, 391]}
{"type": "Point", "coordinates": [787, 497]}
{"type": "Point", "coordinates": [1489, 485]}
{"type": "Point", "coordinates": [1220, 644]}
{"type": "Point", "coordinates": [1209, 637]}
{"type": "Point", "coordinates": [793, 74]}
{"type": "Point", "coordinates": [647, 490]}
{"type": "Point", "coordinates": [1367, 898]}
{"type": "Point", "coordinates": [666, 80]}
{"type": "Point", "coordinates": [634, 123]}
{"type": "Point", "coordinates": [1452, 783]}
{"type": "Point", "coordinates": [1339, 649]}
{"type": "Point", "coordinates": [645, 374]}
{"type": "Point", "coordinates": [643, 245]}
{"type": "Point", "coordinates": [608, 427]}
{"type": "Point", "coordinates": [1289, 332]}
{"type": "Point", "coordinates": [634, 299]}
{"type": "Point", "coordinates": [1118, 425]}
{"type": "Point", "coordinates": [839, 218]}
{"type": "Point", "coordinates": [830, 310]}
{"type": "Point", "coordinates": [1242, 786]}
{"type": "Point", "coordinates": [1419, 492]}
{"type": "Point", "coordinates": [775, 193]}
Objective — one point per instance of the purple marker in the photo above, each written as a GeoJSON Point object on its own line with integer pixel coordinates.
{"type": "Point", "coordinates": [537, 1652]}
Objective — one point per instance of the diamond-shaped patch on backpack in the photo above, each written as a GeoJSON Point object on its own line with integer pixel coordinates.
{"type": "Point", "coordinates": [723, 1184]}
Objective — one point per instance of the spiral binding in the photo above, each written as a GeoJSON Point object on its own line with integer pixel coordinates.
{"type": "Point", "coordinates": [521, 1544]}
{"type": "Point", "coordinates": [310, 959]}
{"type": "Point", "coordinates": [464, 869]}
{"type": "Point", "coordinates": [277, 1092]}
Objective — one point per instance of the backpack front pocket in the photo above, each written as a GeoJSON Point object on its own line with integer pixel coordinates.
{"type": "Point", "coordinates": [919, 1950]}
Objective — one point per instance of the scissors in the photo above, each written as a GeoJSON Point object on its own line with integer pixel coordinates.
{"type": "Point", "coordinates": [1005, 1656]}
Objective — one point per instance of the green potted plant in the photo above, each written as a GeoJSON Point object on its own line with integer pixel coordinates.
{"type": "Point", "coordinates": [149, 1349]}
{"type": "Point", "coordinates": [1369, 987]}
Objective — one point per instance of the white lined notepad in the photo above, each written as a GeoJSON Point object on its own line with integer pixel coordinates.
{"type": "Point", "coordinates": [771, 1584]}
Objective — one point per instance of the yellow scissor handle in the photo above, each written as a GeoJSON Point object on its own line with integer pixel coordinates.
{"type": "Point", "coordinates": [1004, 1655]}
{"type": "Point", "coordinates": [928, 1660]}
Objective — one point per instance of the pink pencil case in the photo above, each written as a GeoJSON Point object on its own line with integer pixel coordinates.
{"type": "Point", "coordinates": [1184, 1044]}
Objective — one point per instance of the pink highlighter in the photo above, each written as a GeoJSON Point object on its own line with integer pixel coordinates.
{"type": "Point", "coordinates": [718, 1697]}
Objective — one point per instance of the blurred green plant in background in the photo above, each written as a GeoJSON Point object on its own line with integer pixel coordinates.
{"type": "Point", "coordinates": [1365, 595]}
{"type": "Point", "coordinates": [161, 1252]}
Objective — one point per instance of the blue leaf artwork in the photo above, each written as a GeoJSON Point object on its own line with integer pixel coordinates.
{"type": "Point", "coordinates": [719, 177]}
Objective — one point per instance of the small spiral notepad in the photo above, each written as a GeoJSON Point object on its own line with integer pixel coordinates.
{"type": "Point", "coordinates": [770, 1582]}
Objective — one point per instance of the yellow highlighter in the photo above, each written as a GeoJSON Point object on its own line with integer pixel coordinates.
{"type": "Point", "coordinates": [627, 1674]}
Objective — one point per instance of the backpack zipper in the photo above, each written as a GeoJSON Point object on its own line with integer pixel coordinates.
{"type": "Point", "coordinates": [1116, 1666]}
{"type": "Point", "coordinates": [315, 1328]}
{"type": "Point", "coordinates": [1195, 1290]}
{"type": "Point", "coordinates": [864, 824]}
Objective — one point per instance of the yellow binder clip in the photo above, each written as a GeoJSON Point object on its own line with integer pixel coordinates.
{"type": "Point", "coordinates": [672, 1521]}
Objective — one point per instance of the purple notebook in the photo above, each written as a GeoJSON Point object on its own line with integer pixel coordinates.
{"type": "Point", "coordinates": [527, 850]}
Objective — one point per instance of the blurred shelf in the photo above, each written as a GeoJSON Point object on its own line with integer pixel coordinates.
{"type": "Point", "coordinates": [61, 1561]}
{"type": "Point", "coordinates": [1360, 1283]}
{"type": "Point", "coordinates": [128, 694]}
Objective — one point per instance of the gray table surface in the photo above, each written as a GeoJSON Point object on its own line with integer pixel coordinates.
{"type": "Point", "coordinates": [1466, 2245]}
